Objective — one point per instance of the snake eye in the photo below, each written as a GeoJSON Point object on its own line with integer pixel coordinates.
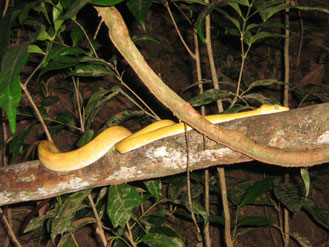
{"type": "Point", "coordinates": [276, 107]}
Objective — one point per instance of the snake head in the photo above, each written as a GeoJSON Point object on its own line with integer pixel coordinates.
{"type": "Point", "coordinates": [268, 109]}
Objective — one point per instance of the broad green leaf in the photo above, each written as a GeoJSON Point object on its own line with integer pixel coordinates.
{"type": "Point", "coordinates": [57, 11]}
{"type": "Point", "coordinates": [12, 64]}
{"type": "Point", "coordinates": [16, 143]}
{"type": "Point", "coordinates": [90, 70]}
{"type": "Point", "coordinates": [144, 37]}
{"type": "Point", "coordinates": [202, 2]}
{"type": "Point", "coordinates": [86, 138]}
{"type": "Point", "coordinates": [198, 209]}
{"type": "Point", "coordinates": [199, 24]}
{"type": "Point", "coordinates": [35, 49]}
{"type": "Point", "coordinates": [139, 9]}
{"type": "Point", "coordinates": [260, 98]}
{"type": "Point", "coordinates": [122, 199]}
{"type": "Point", "coordinates": [76, 35]}
{"type": "Point", "coordinates": [325, 10]}
{"type": "Point", "coordinates": [66, 118]}
{"type": "Point", "coordinates": [266, 25]}
{"type": "Point", "coordinates": [164, 230]}
{"type": "Point", "coordinates": [232, 19]}
{"type": "Point", "coordinates": [290, 195]}
{"type": "Point", "coordinates": [154, 187]}
{"type": "Point", "coordinates": [254, 221]}
{"type": "Point", "coordinates": [159, 240]}
{"type": "Point", "coordinates": [26, 10]}
{"type": "Point", "coordinates": [262, 35]}
{"type": "Point", "coordinates": [263, 83]}
{"type": "Point", "coordinates": [66, 3]}
{"type": "Point", "coordinates": [43, 35]}
{"type": "Point", "coordinates": [236, 7]}
{"type": "Point", "coordinates": [319, 213]}
{"type": "Point", "coordinates": [306, 178]}
{"type": "Point", "coordinates": [98, 100]}
{"type": "Point", "coordinates": [209, 96]}
{"type": "Point", "coordinates": [74, 8]}
{"type": "Point", "coordinates": [275, 10]}
{"type": "Point", "coordinates": [58, 51]}
{"type": "Point", "coordinates": [118, 118]}
{"type": "Point", "coordinates": [64, 218]}
{"type": "Point", "coordinates": [106, 2]}
{"type": "Point", "coordinates": [241, 2]}
{"type": "Point", "coordinates": [264, 7]}
{"type": "Point", "coordinates": [216, 219]}
{"type": "Point", "coordinates": [256, 190]}
{"type": "Point", "coordinates": [61, 63]}
{"type": "Point", "coordinates": [9, 100]}
{"type": "Point", "coordinates": [300, 239]}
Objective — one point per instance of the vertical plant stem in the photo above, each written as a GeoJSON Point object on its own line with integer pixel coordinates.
{"type": "Point", "coordinates": [98, 220]}
{"type": "Point", "coordinates": [221, 170]}
{"type": "Point", "coordinates": [9, 229]}
{"type": "Point", "coordinates": [227, 220]}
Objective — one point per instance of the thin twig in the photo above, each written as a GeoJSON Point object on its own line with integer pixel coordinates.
{"type": "Point", "coordinates": [189, 182]}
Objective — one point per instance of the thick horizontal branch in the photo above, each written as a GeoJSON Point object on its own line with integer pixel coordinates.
{"type": "Point", "coordinates": [300, 129]}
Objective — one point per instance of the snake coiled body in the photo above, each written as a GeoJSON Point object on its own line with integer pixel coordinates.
{"type": "Point", "coordinates": [124, 141]}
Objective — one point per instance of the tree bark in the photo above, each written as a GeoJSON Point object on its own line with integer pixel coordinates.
{"type": "Point", "coordinates": [300, 129]}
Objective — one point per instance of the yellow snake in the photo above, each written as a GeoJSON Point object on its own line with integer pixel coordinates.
{"type": "Point", "coordinates": [124, 141]}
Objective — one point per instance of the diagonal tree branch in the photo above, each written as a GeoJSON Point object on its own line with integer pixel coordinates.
{"type": "Point", "coordinates": [297, 129]}
{"type": "Point", "coordinates": [235, 140]}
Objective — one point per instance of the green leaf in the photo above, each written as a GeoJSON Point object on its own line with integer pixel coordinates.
{"type": "Point", "coordinates": [236, 7]}
{"type": "Point", "coordinates": [154, 187]}
{"type": "Point", "coordinates": [260, 98]}
{"type": "Point", "coordinates": [198, 209]}
{"type": "Point", "coordinates": [61, 63]}
{"type": "Point", "coordinates": [262, 35]}
{"type": "Point", "coordinates": [290, 195]}
{"type": "Point", "coordinates": [232, 19]}
{"type": "Point", "coordinates": [209, 96]}
{"type": "Point", "coordinates": [35, 49]}
{"type": "Point", "coordinates": [62, 223]}
{"type": "Point", "coordinates": [12, 64]}
{"type": "Point", "coordinates": [139, 9]}
{"type": "Point", "coordinates": [264, 7]}
{"type": "Point", "coordinates": [122, 199]}
{"type": "Point", "coordinates": [145, 37]}
{"type": "Point", "coordinates": [86, 138]}
{"type": "Point", "coordinates": [202, 2]}
{"type": "Point", "coordinates": [74, 8]}
{"type": "Point", "coordinates": [90, 70]}
{"type": "Point", "coordinates": [16, 143]}
{"type": "Point", "coordinates": [325, 10]}
{"type": "Point", "coordinates": [275, 10]}
{"type": "Point", "coordinates": [241, 2]}
{"type": "Point", "coordinates": [98, 100]}
{"type": "Point", "coordinates": [159, 240]}
{"type": "Point", "coordinates": [319, 213]}
{"type": "Point", "coordinates": [216, 219]}
{"type": "Point", "coordinates": [266, 25]}
{"type": "Point", "coordinates": [263, 83]}
{"type": "Point", "coordinates": [76, 35]}
{"type": "Point", "coordinates": [256, 190]}
{"type": "Point", "coordinates": [199, 24]}
{"type": "Point", "coordinates": [66, 118]}
{"type": "Point", "coordinates": [307, 181]}
{"type": "Point", "coordinates": [106, 2]}
{"type": "Point", "coordinates": [9, 101]}
{"type": "Point", "coordinates": [254, 221]}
